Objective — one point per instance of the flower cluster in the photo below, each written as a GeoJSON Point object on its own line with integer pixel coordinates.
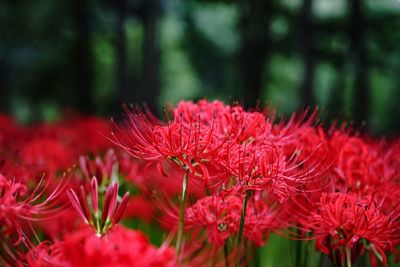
{"type": "Point", "coordinates": [360, 210]}
{"type": "Point", "coordinates": [214, 180]}
{"type": "Point", "coordinates": [121, 247]}
{"type": "Point", "coordinates": [248, 163]}
{"type": "Point", "coordinates": [225, 146]}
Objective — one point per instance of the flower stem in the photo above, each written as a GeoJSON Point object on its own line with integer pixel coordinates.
{"type": "Point", "coordinates": [257, 257]}
{"type": "Point", "coordinates": [181, 215]}
{"type": "Point", "coordinates": [298, 251]}
{"type": "Point", "coordinates": [348, 256]}
{"type": "Point", "coordinates": [306, 253]}
{"type": "Point", "coordinates": [226, 253]}
{"type": "Point", "coordinates": [241, 227]}
{"type": "Point", "coordinates": [242, 219]}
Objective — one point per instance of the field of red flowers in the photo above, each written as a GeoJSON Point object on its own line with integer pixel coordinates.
{"type": "Point", "coordinates": [204, 186]}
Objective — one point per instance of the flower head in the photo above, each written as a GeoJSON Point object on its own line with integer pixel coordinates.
{"type": "Point", "coordinates": [188, 142]}
{"type": "Point", "coordinates": [100, 220]}
{"type": "Point", "coordinates": [220, 217]}
{"type": "Point", "coordinates": [19, 207]}
{"type": "Point", "coordinates": [347, 222]}
{"type": "Point", "coordinates": [119, 247]}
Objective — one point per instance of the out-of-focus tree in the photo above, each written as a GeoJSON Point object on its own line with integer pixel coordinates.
{"type": "Point", "coordinates": [307, 42]}
{"type": "Point", "coordinates": [254, 26]}
{"type": "Point", "coordinates": [358, 55]}
{"type": "Point", "coordinates": [82, 60]}
{"type": "Point", "coordinates": [121, 68]}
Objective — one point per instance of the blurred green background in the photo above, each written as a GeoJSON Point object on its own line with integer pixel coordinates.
{"type": "Point", "coordinates": [94, 55]}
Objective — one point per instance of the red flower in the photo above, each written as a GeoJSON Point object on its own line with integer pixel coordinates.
{"type": "Point", "coordinates": [19, 208]}
{"type": "Point", "coordinates": [105, 168]}
{"type": "Point", "coordinates": [10, 132]}
{"type": "Point", "coordinates": [192, 145]}
{"type": "Point", "coordinates": [341, 222]}
{"type": "Point", "coordinates": [100, 220]}
{"type": "Point", "coordinates": [283, 166]}
{"type": "Point", "coordinates": [12, 210]}
{"type": "Point", "coordinates": [93, 130]}
{"type": "Point", "coordinates": [220, 216]}
{"type": "Point", "coordinates": [363, 164]}
{"type": "Point", "coordinates": [139, 207]}
{"type": "Point", "coordinates": [119, 247]}
{"type": "Point", "coordinates": [46, 155]}
{"type": "Point", "coordinates": [17, 203]}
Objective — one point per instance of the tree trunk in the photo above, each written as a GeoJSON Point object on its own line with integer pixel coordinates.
{"type": "Point", "coordinates": [5, 96]}
{"type": "Point", "coordinates": [360, 98]}
{"type": "Point", "coordinates": [83, 65]}
{"type": "Point", "coordinates": [151, 56]}
{"type": "Point", "coordinates": [335, 101]}
{"type": "Point", "coordinates": [121, 52]}
{"type": "Point", "coordinates": [254, 32]}
{"type": "Point", "coordinates": [307, 51]}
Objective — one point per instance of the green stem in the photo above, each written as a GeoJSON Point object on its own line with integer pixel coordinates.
{"type": "Point", "coordinates": [321, 259]}
{"type": "Point", "coordinates": [256, 257]}
{"type": "Point", "coordinates": [242, 219]}
{"type": "Point", "coordinates": [241, 226]}
{"type": "Point", "coordinates": [377, 254]}
{"type": "Point", "coordinates": [306, 253]}
{"type": "Point", "coordinates": [298, 253]}
{"type": "Point", "coordinates": [332, 253]}
{"type": "Point", "coordinates": [181, 215]}
{"type": "Point", "coordinates": [348, 256]}
{"type": "Point", "coordinates": [97, 223]}
{"type": "Point", "coordinates": [226, 253]}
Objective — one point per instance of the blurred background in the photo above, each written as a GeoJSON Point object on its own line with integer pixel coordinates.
{"type": "Point", "coordinates": [94, 55]}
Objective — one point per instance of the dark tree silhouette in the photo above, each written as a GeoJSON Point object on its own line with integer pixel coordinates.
{"type": "Point", "coordinates": [83, 61]}
{"type": "Point", "coordinates": [254, 25]}
{"type": "Point", "coordinates": [151, 55]}
{"type": "Point", "coordinates": [3, 88]}
{"type": "Point", "coordinates": [121, 53]}
{"type": "Point", "coordinates": [358, 53]}
{"type": "Point", "coordinates": [307, 52]}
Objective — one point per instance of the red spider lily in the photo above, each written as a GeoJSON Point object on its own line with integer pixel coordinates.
{"type": "Point", "coordinates": [46, 156]}
{"type": "Point", "coordinates": [44, 254]}
{"type": "Point", "coordinates": [204, 111]}
{"type": "Point", "coordinates": [72, 131]}
{"type": "Point", "coordinates": [19, 207]}
{"type": "Point", "coordinates": [392, 160]}
{"type": "Point", "coordinates": [16, 203]}
{"type": "Point", "coordinates": [220, 216]}
{"type": "Point", "coordinates": [105, 168]}
{"type": "Point", "coordinates": [11, 210]}
{"type": "Point", "coordinates": [247, 174]}
{"type": "Point", "coordinates": [12, 169]}
{"type": "Point", "coordinates": [101, 221]}
{"type": "Point", "coordinates": [241, 126]}
{"type": "Point", "coordinates": [363, 163]}
{"type": "Point", "coordinates": [119, 247]}
{"type": "Point", "coordinates": [358, 163]}
{"type": "Point", "coordinates": [191, 144]}
{"type": "Point", "coordinates": [139, 207]}
{"type": "Point", "coordinates": [270, 167]}
{"type": "Point", "coordinates": [215, 146]}
{"type": "Point", "coordinates": [47, 148]}
{"type": "Point", "coordinates": [345, 225]}
{"type": "Point", "coordinates": [10, 133]}
{"type": "Point", "coordinates": [301, 173]}
{"type": "Point", "coordinates": [301, 162]}
{"type": "Point", "coordinates": [93, 130]}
